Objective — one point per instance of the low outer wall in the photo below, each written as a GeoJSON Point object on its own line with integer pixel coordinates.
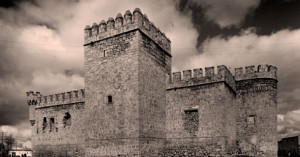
{"type": "Point", "coordinates": [63, 150]}
{"type": "Point", "coordinates": [60, 138]}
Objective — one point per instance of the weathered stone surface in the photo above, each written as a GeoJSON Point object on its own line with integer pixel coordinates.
{"type": "Point", "coordinates": [133, 106]}
{"type": "Point", "coordinates": [257, 97]}
{"type": "Point", "coordinates": [216, 108]}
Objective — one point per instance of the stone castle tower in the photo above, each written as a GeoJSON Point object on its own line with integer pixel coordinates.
{"type": "Point", "coordinates": [133, 106]}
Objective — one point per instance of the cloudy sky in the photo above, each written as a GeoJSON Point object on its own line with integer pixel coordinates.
{"type": "Point", "coordinates": [41, 46]}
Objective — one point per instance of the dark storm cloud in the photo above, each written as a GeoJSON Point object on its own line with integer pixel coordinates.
{"type": "Point", "coordinates": [24, 62]}
{"type": "Point", "coordinates": [12, 114]}
{"type": "Point", "coordinates": [12, 108]}
{"type": "Point", "coordinates": [268, 17]}
{"type": "Point", "coordinates": [274, 15]}
{"type": "Point", "coordinates": [37, 12]}
{"type": "Point", "coordinates": [12, 3]}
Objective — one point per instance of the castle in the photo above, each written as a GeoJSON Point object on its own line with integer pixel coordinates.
{"type": "Point", "coordinates": [133, 106]}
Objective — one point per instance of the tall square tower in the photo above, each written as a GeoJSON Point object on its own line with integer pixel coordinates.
{"type": "Point", "coordinates": [126, 63]}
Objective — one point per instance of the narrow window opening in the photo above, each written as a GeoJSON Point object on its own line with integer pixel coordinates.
{"type": "Point", "coordinates": [37, 127]}
{"type": "Point", "coordinates": [110, 100]}
{"type": "Point", "coordinates": [44, 123]}
{"type": "Point", "coordinates": [67, 120]}
{"type": "Point", "coordinates": [103, 53]}
{"type": "Point", "coordinates": [52, 124]}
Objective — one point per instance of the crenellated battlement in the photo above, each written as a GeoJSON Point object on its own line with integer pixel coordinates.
{"type": "Point", "coordinates": [32, 97]}
{"type": "Point", "coordinates": [37, 99]}
{"type": "Point", "coordinates": [126, 23]}
{"type": "Point", "coordinates": [198, 77]}
{"type": "Point", "coordinates": [252, 72]}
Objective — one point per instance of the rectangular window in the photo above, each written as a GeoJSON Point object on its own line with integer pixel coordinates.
{"type": "Point", "coordinates": [191, 121]}
{"type": "Point", "coordinates": [44, 123]}
{"type": "Point", "coordinates": [251, 119]}
{"type": "Point", "coordinates": [52, 124]}
{"type": "Point", "coordinates": [37, 127]}
{"type": "Point", "coordinates": [110, 100]}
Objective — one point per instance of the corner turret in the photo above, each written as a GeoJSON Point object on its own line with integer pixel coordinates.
{"type": "Point", "coordinates": [257, 110]}
{"type": "Point", "coordinates": [262, 71]}
{"type": "Point", "coordinates": [32, 101]}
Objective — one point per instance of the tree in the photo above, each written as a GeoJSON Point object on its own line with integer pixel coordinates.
{"type": "Point", "coordinates": [2, 150]}
{"type": "Point", "coordinates": [10, 141]}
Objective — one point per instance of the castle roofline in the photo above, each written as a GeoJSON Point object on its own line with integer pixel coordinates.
{"type": "Point", "coordinates": [261, 71]}
{"type": "Point", "coordinates": [194, 77]}
{"type": "Point", "coordinates": [128, 23]}
{"type": "Point", "coordinates": [198, 78]}
{"type": "Point", "coordinates": [40, 101]}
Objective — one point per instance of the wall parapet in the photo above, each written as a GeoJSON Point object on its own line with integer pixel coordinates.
{"type": "Point", "coordinates": [252, 72]}
{"type": "Point", "coordinates": [199, 78]}
{"type": "Point", "coordinates": [126, 23]}
{"type": "Point", "coordinates": [70, 97]}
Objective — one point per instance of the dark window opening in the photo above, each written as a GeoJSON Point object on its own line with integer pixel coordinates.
{"type": "Point", "coordinates": [44, 123]}
{"type": "Point", "coordinates": [191, 121]}
{"type": "Point", "coordinates": [52, 124]}
{"type": "Point", "coordinates": [103, 53]}
{"type": "Point", "coordinates": [110, 100]}
{"type": "Point", "coordinates": [37, 127]}
{"type": "Point", "coordinates": [67, 120]}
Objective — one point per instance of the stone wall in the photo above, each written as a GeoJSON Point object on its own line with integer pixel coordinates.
{"type": "Point", "coordinates": [257, 111]}
{"type": "Point", "coordinates": [214, 103]}
{"type": "Point", "coordinates": [127, 60]}
{"type": "Point", "coordinates": [50, 127]}
{"type": "Point", "coordinates": [52, 131]}
{"type": "Point", "coordinates": [133, 106]}
{"type": "Point", "coordinates": [154, 65]}
{"type": "Point", "coordinates": [111, 69]}
{"type": "Point", "coordinates": [194, 147]}
{"type": "Point", "coordinates": [57, 150]}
